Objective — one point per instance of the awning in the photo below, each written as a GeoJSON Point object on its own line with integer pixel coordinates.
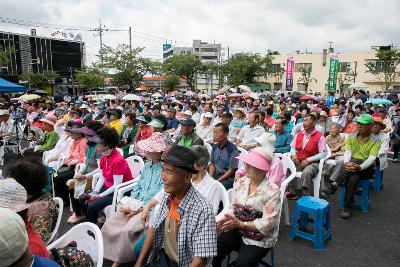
{"type": "Point", "coordinates": [9, 87]}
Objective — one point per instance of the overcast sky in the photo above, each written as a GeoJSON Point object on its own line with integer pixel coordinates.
{"type": "Point", "coordinates": [252, 25]}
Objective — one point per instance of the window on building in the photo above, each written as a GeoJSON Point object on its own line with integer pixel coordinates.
{"type": "Point", "coordinates": [299, 66]}
{"type": "Point", "coordinates": [197, 49]}
{"type": "Point", "coordinates": [301, 87]}
{"type": "Point", "coordinates": [344, 66]}
{"type": "Point", "coordinates": [276, 67]}
{"type": "Point", "coordinates": [277, 86]}
{"type": "Point", "coordinates": [208, 49]}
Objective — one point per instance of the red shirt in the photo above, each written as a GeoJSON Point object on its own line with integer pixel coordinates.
{"type": "Point", "coordinates": [114, 164]}
{"type": "Point", "coordinates": [147, 132]}
{"type": "Point", "coordinates": [36, 244]}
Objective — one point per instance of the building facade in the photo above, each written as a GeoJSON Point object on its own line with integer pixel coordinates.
{"type": "Point", "coordinates": [350, 63]}
{"type": "Point", "coordinates": [34, 54]}
{"type": "Point", "coordinates": [207, 53]}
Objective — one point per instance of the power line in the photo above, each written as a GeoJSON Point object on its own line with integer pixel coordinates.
{"type": "Point", "coordinates": [29, 23]}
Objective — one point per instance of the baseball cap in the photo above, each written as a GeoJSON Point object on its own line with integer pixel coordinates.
{"type": "Point", "coordinates": [208, 115]}
{"type": "Point", "coordinates": [365, 119]}
{"type": "Point", "coordinates": [188, 112]}
{"type": "Point", "coordinates": [13, 237]}
{"type": "Point", "coordinates": [188, 122]}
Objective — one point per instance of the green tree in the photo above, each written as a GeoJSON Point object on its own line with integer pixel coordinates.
{"type": "Point", "coordinates": [90, 78]}
{"type": "Point", "coordinates": [186, 66]}
{"type": "Point", "coordinates": [345, 78]}
{"type": "Point", "coordinates": [245, 67]}
{"type": "Point", "coordinates": [277, 73]}
{"type": "Point", "coordinates": [305, 77]}
{"type": "Point", "coordinates": [171, 82]}
{"type": "Point", "coordinates": [41, 80]}
{"type": "Point", "coordinates": [5, 55]}
{"type": "Point", "coordinates": [128, 65]}
{"type": "Point", "coordinates": [385, 68]}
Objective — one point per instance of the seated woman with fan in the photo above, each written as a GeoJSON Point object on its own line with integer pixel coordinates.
{"type": "Point", "coordinates": [251, 227]}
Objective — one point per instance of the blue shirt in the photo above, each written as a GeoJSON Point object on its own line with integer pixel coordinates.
{"type": "Point", "coordinates": [283, 140]}
{"type": "Point", "coordinates": [43, 262]}
{"type": "Point", "coordinates": [224, 158]}
{"type": "Point", "coordinates": [289, 127]}
{"type": "Point", "coordinates": [172, 123]}
{"type": "Point", "coordinates": [149, 183]}
{"type": "Point", "coordinates": [330, 100]}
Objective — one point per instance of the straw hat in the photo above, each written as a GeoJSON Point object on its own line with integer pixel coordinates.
{"type": "Point", "coordinates": [155, 143]}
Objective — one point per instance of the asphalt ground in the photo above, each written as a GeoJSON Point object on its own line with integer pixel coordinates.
{"type": "Point", "coordinates": [371, 239]}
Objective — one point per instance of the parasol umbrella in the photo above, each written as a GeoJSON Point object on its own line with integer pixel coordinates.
{"type": "Point", "coordinates": [245, 88]}
{"type": "Point", "coordinates": [190, 93]}
{"type": "Point", "coordinates": [307, 97]}
{"type": "Point", "coordinates": [201, 95]}
{"type": "Point", "coordinates": [235, 95]}
{"type": "Point", "coordinates": [254, 96]}
{"type": "Point", "coordinates": [157, 95]}
{"type": "Point", "coordinates": [220, 97]}
{"type": "Point", "coordinates": [379, 101]}
{"type": "Point", "coordinates": [132, 97]}
{"type": "Point", "coordinates": [109, 97]}
{"type": "Point", "coordinates": [358, 85]}
{"type": "Point", "coordinates": [223, 90]}
{"type": "Point", "coordinates": [40, 92]}
{"type": "Point", "coordinates": [28, 97]}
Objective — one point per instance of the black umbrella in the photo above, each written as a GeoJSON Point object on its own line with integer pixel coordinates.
{"type": "Point", "coordinates": [40, 92]}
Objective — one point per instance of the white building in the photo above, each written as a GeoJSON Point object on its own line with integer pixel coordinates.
{"type": "Point", "coordinates": [207, 53]}
{"type": "Point", "coordinates": [349, 62]}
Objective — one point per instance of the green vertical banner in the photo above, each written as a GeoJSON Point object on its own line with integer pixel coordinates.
{"type": "Point", "coordinates": [333, 71]}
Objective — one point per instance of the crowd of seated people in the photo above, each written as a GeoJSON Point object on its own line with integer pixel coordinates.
{"type": "Point", "coordinates": [192, 151]}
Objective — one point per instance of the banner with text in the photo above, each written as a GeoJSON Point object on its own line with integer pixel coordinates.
{"type": "Point", "coordinates": [289, 73]}
{"type": "Point", "coordinates": [333, 72]}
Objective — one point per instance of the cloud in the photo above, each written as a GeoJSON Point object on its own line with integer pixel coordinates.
{"type": "Point", "coordinates": [256, 25]}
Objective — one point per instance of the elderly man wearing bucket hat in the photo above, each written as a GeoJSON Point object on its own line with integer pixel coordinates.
{"type": "Point", "coordinates": [183, 233]}
{"type": "Point", "coordinates": [361, 152]}
{"type": "Point", "coordinates": [252, 226]}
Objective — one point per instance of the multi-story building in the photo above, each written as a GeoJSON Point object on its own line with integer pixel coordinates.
{"type": "Point", "coordinates": [207, 53]}
{"type": "Point", "coordinates": [34, 54]}
{"type": "Point", "coordinates": [318, 63]}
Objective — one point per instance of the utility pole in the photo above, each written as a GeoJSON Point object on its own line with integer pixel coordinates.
{"type": "Point", "coordinates": [72, 80]}
{"type": "Point", "coordinates": [130, 39]}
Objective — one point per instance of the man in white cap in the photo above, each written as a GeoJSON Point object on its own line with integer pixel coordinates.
{"type": "Point", "coordinates": [14, 250]}
{"type": "Point", "coordinates": [86, 115]}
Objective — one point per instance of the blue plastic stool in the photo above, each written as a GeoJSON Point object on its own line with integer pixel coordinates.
{"type": "Point", "coordinates": [377, 182]}
{"type": "Point", "coordinates": [320, 210]}
{"type": "Point", "coordinates": [360, 198]}
{"type": "Point", "coordinates": [260, 263]}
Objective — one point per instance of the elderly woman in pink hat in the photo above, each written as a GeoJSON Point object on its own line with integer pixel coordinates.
{"type": "Point", "coordinates": [126, 226]}
{"type": "Point", "coordinates": [50, 137]}
{"type": "Point", "coordinates": [251, 227]}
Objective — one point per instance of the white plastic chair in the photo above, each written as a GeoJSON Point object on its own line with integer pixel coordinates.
{"type": "Point", "coordinates": [287, 165]}
{"type": "Point", "coordinates": [87, 237]}
{"type": "Point", "coordinates": [317, 179]}
{"type": "Point", "coordinates": [60, 206]}
{"type": "Point", "coordinates": [224, 197]}
{"type": "Point", "coordinates": [242, 152]}
{"type": "Point", "coordinates": [136, 164]}
{"type": "Point", "coordinates": [120, 151]}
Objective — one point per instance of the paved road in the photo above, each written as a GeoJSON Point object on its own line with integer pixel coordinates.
{"type": "Point", "coordinates": [371, 239]}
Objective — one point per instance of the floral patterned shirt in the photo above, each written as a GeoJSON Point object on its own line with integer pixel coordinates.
{"type": "Point", "coordinates": [42, 215]}
{"type": "Point", "coordinates": [265, 199]}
